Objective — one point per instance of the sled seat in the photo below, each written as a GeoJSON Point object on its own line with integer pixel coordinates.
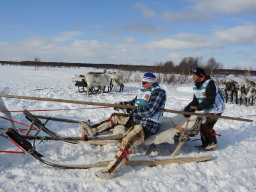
{"type": "Point", "coordinates": [173, 129]}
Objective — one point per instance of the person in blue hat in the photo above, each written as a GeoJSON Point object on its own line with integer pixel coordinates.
{"type": "Point", "coordinates": [143, 122]}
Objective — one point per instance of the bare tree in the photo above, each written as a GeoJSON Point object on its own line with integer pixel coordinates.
{"type": "Point", "coordinates": [186, 64]}
{"type": "Point", "coordinates": [37, 60]}
{"type": "Point", "coordinates": [212, 64]}
{"type": "Point", "coordinates": [166, 67]}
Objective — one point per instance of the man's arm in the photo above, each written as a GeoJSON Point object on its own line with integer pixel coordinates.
{"type": "Point", "coordinates": [194, 102]}
{"type": "Point", "coordinates": [132, 102]}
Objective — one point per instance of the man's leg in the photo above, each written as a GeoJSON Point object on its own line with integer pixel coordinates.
{"type": "Point", "coordinates": [134, 137]}
{"type": "Point", "coordinates": [212, 140]}
{"type": "Point", "coordinates": [115, 119]}
{"type": "Point", "coordinates": [203, 136]}
{"type": "Point", "coordinates": [208, 135]}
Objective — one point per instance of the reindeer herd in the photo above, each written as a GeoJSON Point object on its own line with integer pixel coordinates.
{"type": "Point", "coordinates": [95, 81]}
{"type": "Point", "coordinates": [245, 91]}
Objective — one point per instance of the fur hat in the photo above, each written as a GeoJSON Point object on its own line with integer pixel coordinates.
{"type": "Point", "coordinates": [149, 77]}
{"type": "Point", "coordinates": [198, 71]}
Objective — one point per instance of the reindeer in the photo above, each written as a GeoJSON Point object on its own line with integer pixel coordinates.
{"type": "Point", "coordinates": [117, 81]}
{"type": "Point", "coordinates": [231, 89]}
{"type": "Point", "coordinates": [243, 89]}
{"type": "Point", "coordinates": [101, 80]}
{"type": "Point", "coordinates": [80, 82]}
{"type": "Point", "coordinates": [251, 94]}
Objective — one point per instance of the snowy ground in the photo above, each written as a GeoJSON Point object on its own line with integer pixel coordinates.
{"type": "Point", "coordinates": [233, 167]}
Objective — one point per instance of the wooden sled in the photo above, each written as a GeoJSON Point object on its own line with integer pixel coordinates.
{"type": "Point", "coordinates": [27, 146]}
{"type": "Point", "coordinates": [177, 128]}
{"type": "Point", "coordinates": [173, 129]}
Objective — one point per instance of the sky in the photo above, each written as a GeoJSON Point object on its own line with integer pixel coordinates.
{"type": "Point", "coordinates": [143, 32]}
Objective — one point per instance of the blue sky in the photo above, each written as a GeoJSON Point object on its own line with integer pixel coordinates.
{"type": "Point", "coordinates": [129, 32]}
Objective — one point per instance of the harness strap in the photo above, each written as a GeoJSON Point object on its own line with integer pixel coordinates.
{"type": "Point", "coordinates": [182, 129]}
{"type": "Point", "coordinates": [111, 120]}
{"type": "Point", "coordinates": [83, 134]}
{"type": "Point", "coordinates": [179, 128]}
{"type": "Point", "coordinates": [212, 132]}
{"type": "Point", "coordinates": [124, 156]}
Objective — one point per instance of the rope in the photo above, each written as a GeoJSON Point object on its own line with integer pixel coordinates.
{"type": "Point", "coordinates": [111, 121]}
{"type": "Point", "coordinates": [21, 130]}
{"type": "Point", "coordinates": [20, 152]}
{"type": "Point", "coordinates": [214, 134]}
{"type": "Point", "coordinates": [35, 110]}
{"type": "Point", "coordinates": [124, 156]}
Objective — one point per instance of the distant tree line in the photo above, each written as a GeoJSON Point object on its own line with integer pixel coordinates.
{"type": "Point", "coordinates": [211, 67]}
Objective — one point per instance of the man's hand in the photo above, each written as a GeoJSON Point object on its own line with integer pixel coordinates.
{"type": "Point", "coordinates": [117, 108]}
{"type": "Point", "coordinates": [193, 108]}
{"type": "Point", "coordinates": [189, 109]}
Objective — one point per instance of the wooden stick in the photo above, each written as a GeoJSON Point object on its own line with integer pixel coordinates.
{"type": "Point", "coordinates": [58, 138]}
{"type": "Point", "coordinates": [56, 119]}
{"type": "Point", "coordinates": [125, 106]}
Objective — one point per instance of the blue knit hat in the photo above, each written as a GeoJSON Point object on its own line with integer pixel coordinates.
{"type": "Point", "coordinates": [149, 77]}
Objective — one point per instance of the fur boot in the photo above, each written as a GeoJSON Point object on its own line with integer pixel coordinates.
{"type": "Point", "coordinates": [134, 137]}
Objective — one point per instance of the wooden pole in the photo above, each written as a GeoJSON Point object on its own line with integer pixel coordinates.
{"type": "Point", "coordinates": [125, 106]}
{"type": "Point", "coordinates": [56, 119]}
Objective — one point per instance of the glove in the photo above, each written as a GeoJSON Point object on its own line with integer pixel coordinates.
{"type": "Point", "coordinates": [128, 110]}
{"type": "Point", "coordinates": [117, 108]}
{"type": "Point", "coordinates": [187, 109]}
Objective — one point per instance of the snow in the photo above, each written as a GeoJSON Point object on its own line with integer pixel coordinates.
{"type": "Point", "coordinates": [233, 167]}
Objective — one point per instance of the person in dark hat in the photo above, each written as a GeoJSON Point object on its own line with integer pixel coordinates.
{"type": "Point", "coordinates": [143, 122]}
{"type": "Point", "coordinates": [207, 98]}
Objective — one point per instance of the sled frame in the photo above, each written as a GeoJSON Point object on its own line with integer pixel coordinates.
{"type": "Point", "coordinates": [40, 126]}
{"type": "Point", "coordinates": [181, 137]}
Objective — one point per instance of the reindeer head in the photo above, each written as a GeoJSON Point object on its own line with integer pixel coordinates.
{"type": "Point", "coordinates": [252, 84]}
{"type": "Point", "coordinates": [229, 86]}
{"type": "Point", "coordinates": [252, 92]}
